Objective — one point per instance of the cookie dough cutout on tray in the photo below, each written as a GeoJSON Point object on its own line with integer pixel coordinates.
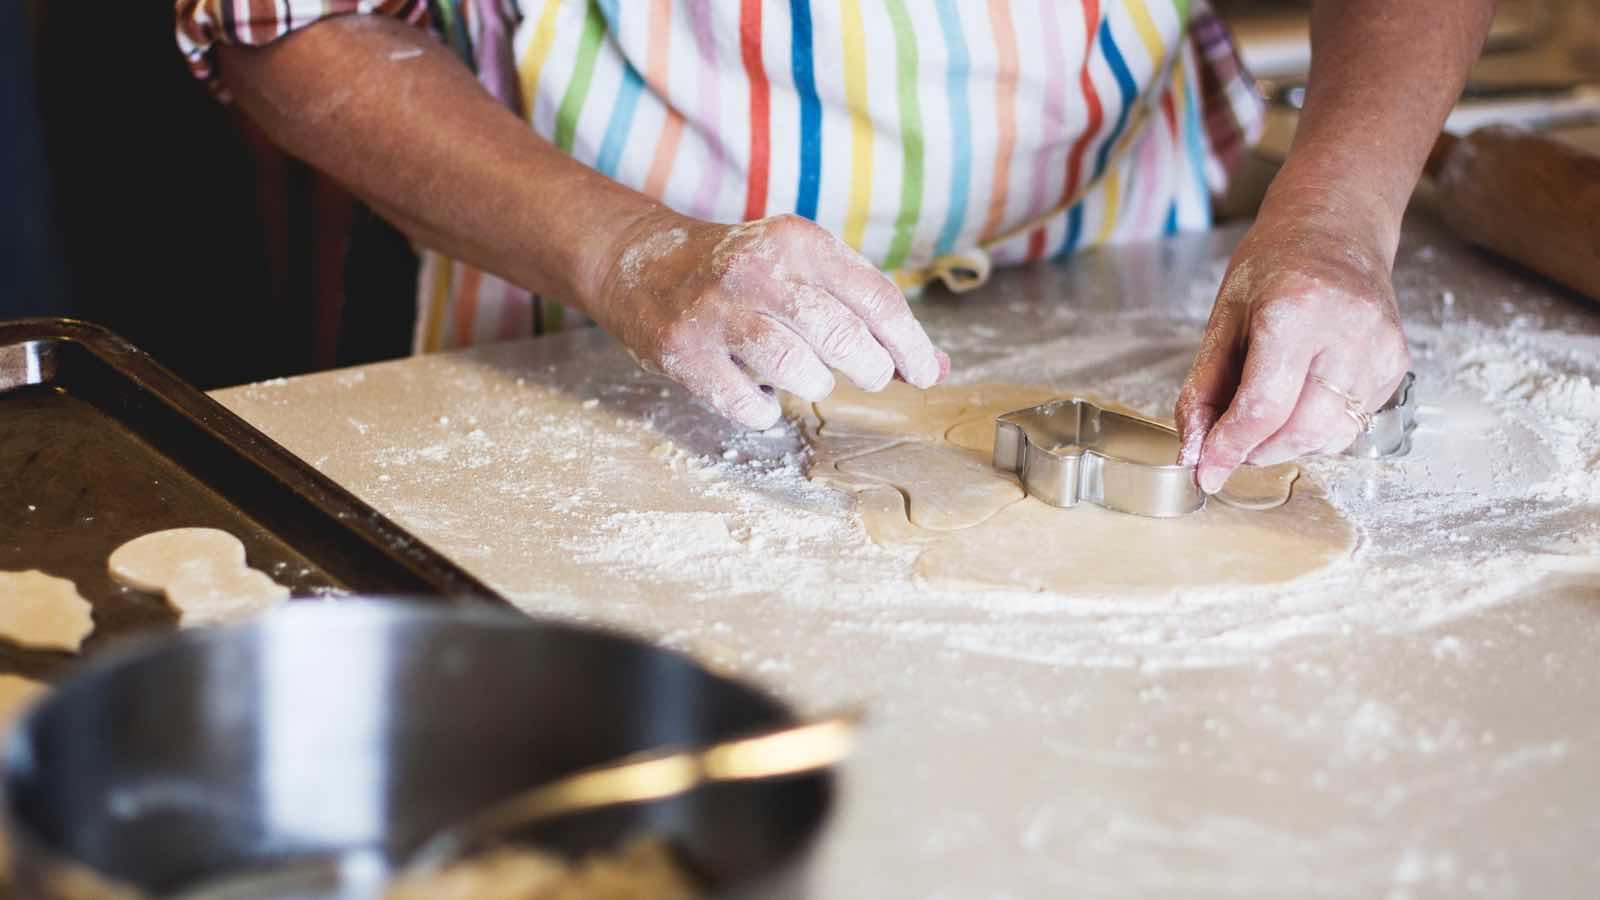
{"type": "Point", "coordinates": [945, 500]}
{"type": "Point", "coordinates": [201, 571]}
{"type": "Point", "coordinates": [16, 695]}
{"type": "Point", "coordinates": [42, 611]}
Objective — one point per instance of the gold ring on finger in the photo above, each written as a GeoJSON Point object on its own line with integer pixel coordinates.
{"type": "Point", "coordinates": [1353, 407]}
{"type": "Point", "coordinates": [1363, 419]}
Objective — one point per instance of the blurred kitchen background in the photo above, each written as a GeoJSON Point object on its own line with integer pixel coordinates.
{"type": "Point", "coordinates": [141, 203]}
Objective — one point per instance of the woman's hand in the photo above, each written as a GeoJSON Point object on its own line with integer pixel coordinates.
{"type": "Point", "coordinates": [1305, 322]}
{"type": "Point", "coordinates": [1306, 315]}
{"type": "Point", "coordinates": [730, 310]}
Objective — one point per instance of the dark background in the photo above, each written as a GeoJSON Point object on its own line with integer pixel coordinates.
{"type": "Point", "coordinates": [142, 203]}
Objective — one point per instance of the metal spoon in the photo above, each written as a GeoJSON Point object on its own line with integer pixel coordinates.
{"type": "Point", "coordinates": [651, 775]}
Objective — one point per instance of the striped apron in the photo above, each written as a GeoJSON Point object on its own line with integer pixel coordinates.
{"type": "Point", "coordinates": [937, 137]}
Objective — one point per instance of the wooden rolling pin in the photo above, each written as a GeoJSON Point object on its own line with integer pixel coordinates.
{"type": "Point", "coordinates": [1528, 198]}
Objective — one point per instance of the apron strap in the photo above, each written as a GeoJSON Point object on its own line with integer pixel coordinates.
{"type": "Point", "coordinates": [967, 270]}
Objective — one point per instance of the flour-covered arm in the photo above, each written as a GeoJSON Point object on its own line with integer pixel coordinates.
{"type": "Point", "coordinates": [724, 309]}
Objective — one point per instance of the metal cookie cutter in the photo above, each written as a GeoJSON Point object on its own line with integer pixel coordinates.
{"type": "Point", "coordinates": [1390, 432]}
{"type": "Point", "coordinates": [1066, 451]}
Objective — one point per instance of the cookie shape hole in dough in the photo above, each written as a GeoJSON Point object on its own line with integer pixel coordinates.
{"type": "Point", "coordinates": [919, 463]}
{"type": "Point", "coordinates": [201, 571]}
{"type": "Point", "coordinates": [944, 491]}
{"type": "Point", "coordinates": [42, 611]}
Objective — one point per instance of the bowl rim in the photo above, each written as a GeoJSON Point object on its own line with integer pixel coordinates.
{"type": "Point", "coordinates": [388, 609]}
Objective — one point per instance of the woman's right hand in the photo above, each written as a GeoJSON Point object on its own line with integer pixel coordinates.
{"type": "Point", "coordinates": [728, 310]}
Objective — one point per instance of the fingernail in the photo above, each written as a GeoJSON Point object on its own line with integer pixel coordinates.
{"type": "Point", "coordinates": [944, 366]}
{"type": "Point", "coordinates": [927, 374]}
{"type": "Point", "coordinates": [883, 380]}
{"type": "Point", "coordinates": [1212, 479]}
{"type": "Point", "coordinates": [1272, 457]}
{"type": "Point", "coordinates": [819, 389]}
{"type": "Point", "coordinates": [758, 412]}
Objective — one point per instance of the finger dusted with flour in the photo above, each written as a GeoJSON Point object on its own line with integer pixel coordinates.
{"type": "Point", "coordinates": [1304, 339]}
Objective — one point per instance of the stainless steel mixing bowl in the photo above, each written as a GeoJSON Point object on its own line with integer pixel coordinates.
{"type": "Point", "coordinates": [359, 728]}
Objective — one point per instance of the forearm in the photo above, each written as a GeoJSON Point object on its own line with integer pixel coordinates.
{"type": "Point", "coordinates": [1384, 76]}
{"type": "Point", "coordinates": [394, 116]}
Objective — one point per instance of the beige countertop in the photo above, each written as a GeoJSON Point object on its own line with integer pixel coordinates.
{"type": "Point", "coordinates": [1418, 721]}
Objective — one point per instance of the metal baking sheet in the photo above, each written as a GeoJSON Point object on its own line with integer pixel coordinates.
{"type": "Point", "coordinates": [99, 444]}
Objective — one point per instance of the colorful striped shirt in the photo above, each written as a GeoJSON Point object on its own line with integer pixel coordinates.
{"type": "Point", "coordinates": [935, 136]}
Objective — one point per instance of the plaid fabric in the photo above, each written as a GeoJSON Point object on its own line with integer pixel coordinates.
{"type": "Point", "coordinates": [1232, 108]}
{"type": "Point", "coordinates": [202, 24]}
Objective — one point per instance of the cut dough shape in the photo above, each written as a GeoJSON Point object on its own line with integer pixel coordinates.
{"type": "Point", "coordinates": [16, 695]}
{"type": "Point", "coordinates": [224, 596]}
{"type": "Point", "coordinates": [151, 562]}
{"type": "Point", "coordinates": [945, 491]}
{"type": "Point", "coordinates": [1030, 545]}
{"type": "Point", "coordinates": [39, 610]}
{"type": "Point", "coordinates": [976, 435]}
{"type": "Point", "coordinates": [201, 571]}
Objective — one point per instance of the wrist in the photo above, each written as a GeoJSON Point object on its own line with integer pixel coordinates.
{"type": "Point", "coordinates": [598, 263]}
{"type": "Point", "coordinates": [1333, 208]}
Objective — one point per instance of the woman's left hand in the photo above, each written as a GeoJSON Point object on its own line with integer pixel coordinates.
{"type": "Point", "coordinates": [1303, 336]}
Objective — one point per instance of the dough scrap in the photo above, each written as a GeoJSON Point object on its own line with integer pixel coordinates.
{"type": "Point", "coordinates": [39, 610]}
{"type": "Point", "coordinates": [201, 571]}
{"type": "Point", "coordinates": [934, 448]}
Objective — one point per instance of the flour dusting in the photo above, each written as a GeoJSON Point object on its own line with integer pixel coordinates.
{"type": "Point", "coordinates": [1340, 727]}
{"type": "Point", "coordinates": [1499, 492]}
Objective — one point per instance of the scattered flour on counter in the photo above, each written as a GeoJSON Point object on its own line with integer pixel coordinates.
{"type": "Point", "coordinates": [632, 490]}
{"type": "Point", "coordinates": [666, 538]}
{"type": "Point", "coordinates": [1498, 492]}
{"type": "Point", "coordinates": [640, 511]}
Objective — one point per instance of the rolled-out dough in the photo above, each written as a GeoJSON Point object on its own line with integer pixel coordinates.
{"type": "Point", "coordinates": [201, 571]}
{"type": "Point", "coordinates": [39, 610]}
{"type": "Point", "coordinates": [970, 492]}
{"type": "Point", "coordinates": [920, 463]}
